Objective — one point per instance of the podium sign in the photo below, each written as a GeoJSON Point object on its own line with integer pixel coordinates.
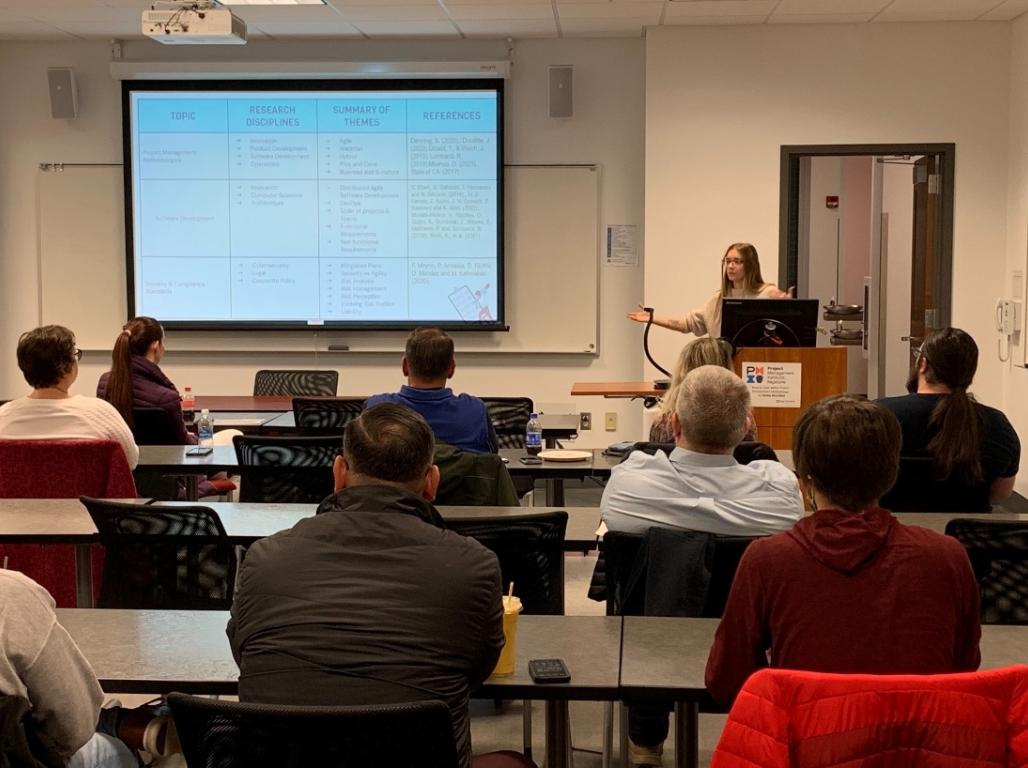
{"type": "Point", "coordinates": [773, 385]}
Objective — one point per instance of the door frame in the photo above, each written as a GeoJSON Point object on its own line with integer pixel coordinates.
{"type": "Point", "coordinates": [789, 208]}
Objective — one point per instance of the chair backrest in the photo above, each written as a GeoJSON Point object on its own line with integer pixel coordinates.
{"type": "Point", "coordinates": [269, 383]}
{"type": "Point", "coordinates": [918, 489]}
{"type": "Point", "coordinates": [999, 556]}
{"type": "Point", "coordinates": [154, 426]}
{"type": "Point", "coordinates": [472, 479]}
{"type": "Point", "coordinates": [628, 559]}
{"type": "Point", "coordinates": [163, 557]}
{"type": "Point", "coordinates": [509, 417]}
{"type": "Point", "coordinates": [744, 453]}
{"type": "Point", "coordinates": [286, 469]}
{"type": "Point", "coordinates": [325, 415]}
{"type": "Point", "coordinates": [530, 549]}
{"type": "Point", "coordinates": [64, 469]}
{"type": "Point", "coordinates": [232, 734]}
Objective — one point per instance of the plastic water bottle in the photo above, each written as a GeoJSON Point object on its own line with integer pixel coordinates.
{"type": "Point", "coordinates": [533, 435]}
{"type": "Point", "coordinates": [205, 429]}
{"type": "Point", "coordinates": [188, 405]}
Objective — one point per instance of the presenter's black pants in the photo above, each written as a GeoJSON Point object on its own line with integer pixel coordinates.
{"type": "Point", "coordinates": [648, 722]}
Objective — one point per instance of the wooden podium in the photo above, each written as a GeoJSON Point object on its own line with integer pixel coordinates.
{"type": "Point", "coordinates": [821, 372]}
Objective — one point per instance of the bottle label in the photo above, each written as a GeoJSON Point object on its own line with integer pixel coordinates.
{"type": "Point", "coordinates": [534, 440]}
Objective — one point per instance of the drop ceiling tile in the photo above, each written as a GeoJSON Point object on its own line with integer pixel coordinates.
{"type": "Point", "coordinates": [1008, 11]}
{"type": "Point", "coordinates": [258, 14]}
{"type": "Point", "coordinates": [31, 30]}
{"type": "Point", "coordinates": [85, 13]}
{"type": "Point", "coordinates": [343, 4]}
{"type": "Point", "coordinates": [649, 12]}
{"type": "Point", "coordinates": [281, 29]}
{"type": "Point", "coordinates": [826, 7]}
{"type": "Point", "coordinates": [25, 5]}
{"type": "Point", "coordinates": [102, 29]}
{"type": "Point", "coordinates": [508, 28]}
{"type": "Point", "coordinates": [711, 8]}
{"type": "Point", "coordinates": [353, 13]}
{"type": "Point", "coordinates": [455, 4]}
{"type": "Point", "coordinates": [935, 10]}
{"type": "Point", "coordinates": [584, 27]}
{"type": "Point", "coordinates": [407, 28]}
{"type": "Point", "coordinates": [819, 18]}
{"type": "Point", "coordinates": [524, 11]}
{"type": "Point", "coordinates": [713, 21]}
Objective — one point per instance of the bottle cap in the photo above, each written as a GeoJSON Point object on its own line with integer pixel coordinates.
{"type": "Point", "coordinates": [534, 416]}
{"type": "Point", "coordinates": [205, 412]}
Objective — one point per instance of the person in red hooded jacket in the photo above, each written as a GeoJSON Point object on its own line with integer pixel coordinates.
{"type": "Point", "coordinates": [848, 589]}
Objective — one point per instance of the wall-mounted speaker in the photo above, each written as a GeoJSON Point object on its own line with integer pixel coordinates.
{"type": "Point", "coordinates": [63, 98]}
{"type": "Point", "coordinates": [561, 100]}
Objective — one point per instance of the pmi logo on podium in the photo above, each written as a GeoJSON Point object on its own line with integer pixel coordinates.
{"type": "Point", "coordinates": [754, 374]}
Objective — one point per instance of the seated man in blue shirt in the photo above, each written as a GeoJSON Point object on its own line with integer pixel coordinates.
{"type": "Point", "coordinates": [460, 420]}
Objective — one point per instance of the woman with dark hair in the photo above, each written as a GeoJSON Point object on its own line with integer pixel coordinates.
{"type": "Point", "coordinates": [848, 589]}
{"type": "Point", "coordinates": [958, 455]}
{"type": "Point", "coordinates": [49, 360]}
{"type": "Point", "coordinates": [740, 278]}
{"type": "Point", "coordinates": [136, 379]}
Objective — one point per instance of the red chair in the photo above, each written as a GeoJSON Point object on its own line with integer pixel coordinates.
{"type": "Point", "coordinates": [60, 469]}
{"type": "Point", "coordinates": [789, 719]}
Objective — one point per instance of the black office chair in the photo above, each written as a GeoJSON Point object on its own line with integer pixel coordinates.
{"type": "Point", "coordinates": [163, 557]}
{"type": "Point", "coordinates": [919, 489]}
{"type": "Point", "coordinates": [231, 734]}
{"type": "Point", "coordinates": [286, 469]}
{"type": "Point", "coordinates": [154, 426]}
{"type": "Point", "coordinates": [509, 417]}
{"type": "Point", "coordinates": [325, 415]}
{"type": "Point", "coordinates": [744, 453]}
{"type": "Point", "coordinates": [530, 551]}
{"type": "Point", "coordinates": [998, 551]}
{"type": "Point", "coordinates": [268, 383]}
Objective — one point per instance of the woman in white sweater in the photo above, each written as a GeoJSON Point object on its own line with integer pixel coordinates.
{"type": "Point", "coordinates": [740, 278]}
{"type": "Point", "coordinates": [49, 360]}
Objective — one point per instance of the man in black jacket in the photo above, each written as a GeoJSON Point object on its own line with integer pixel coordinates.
{"type": "Point", "coordinates": [371, 601]}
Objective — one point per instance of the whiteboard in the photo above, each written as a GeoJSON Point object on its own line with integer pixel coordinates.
{"type": "Point", "coordinates": [551, 266]}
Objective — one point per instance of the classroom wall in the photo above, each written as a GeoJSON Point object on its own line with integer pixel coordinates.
{"type": "Point", "coordinates": [721, 101]}
{"type": "Point", "coordinates": [607, 128]}
{"type": "Point", "coordinates": [1015, 377]}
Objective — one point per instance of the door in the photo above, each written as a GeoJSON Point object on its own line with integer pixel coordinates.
{"type": "Point", "coordinates": [926, 288]}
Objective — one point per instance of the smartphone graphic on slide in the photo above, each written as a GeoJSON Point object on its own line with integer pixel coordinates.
{"type": "Point", "coordinates": [466, 304]}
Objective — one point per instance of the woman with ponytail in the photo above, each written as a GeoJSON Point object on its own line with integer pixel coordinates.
{"type": "Point", "coordinates": [136, 379]}
{"type": "Point", "coordinates": [957, 455]}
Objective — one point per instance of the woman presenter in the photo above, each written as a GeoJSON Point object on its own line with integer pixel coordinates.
{"type": "Point", "coordinates": [740, 278]}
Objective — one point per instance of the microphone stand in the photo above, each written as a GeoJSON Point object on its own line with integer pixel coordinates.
{"type": "Point", "coordinates": [659, 383]}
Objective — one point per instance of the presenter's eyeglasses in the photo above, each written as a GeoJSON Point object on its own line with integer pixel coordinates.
{"type": "Point", "coordinates": [77, 354]}
{"type": "Point", "coordinates": [733, 261]}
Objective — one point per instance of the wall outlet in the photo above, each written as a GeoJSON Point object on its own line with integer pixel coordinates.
{"type": "Point", "coordinates": [585, 420]}
{"type": "Point", "coordinates": [610, 421]}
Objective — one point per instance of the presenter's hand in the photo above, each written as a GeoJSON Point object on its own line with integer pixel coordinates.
{"type": "Point", "coordinates": [640, 315]}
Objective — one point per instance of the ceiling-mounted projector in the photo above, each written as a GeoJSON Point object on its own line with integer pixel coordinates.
{"type": "Point", "coordinates": [193, 23]}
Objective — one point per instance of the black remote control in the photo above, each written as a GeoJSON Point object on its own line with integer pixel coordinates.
{"type": "Point", "coordinates": [549, 671]}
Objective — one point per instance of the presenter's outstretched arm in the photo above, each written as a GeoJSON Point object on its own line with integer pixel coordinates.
{"type": "Point", "coordinates": [664, 321]}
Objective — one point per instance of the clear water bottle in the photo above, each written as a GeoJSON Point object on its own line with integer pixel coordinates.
{"type": "Point", "coordinates": [205, 429]}
{"type": "Point", "coordinates": [533, 435]}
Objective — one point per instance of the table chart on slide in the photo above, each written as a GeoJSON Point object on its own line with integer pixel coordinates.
{"type": "Point", "coordinates": [327, 208]}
